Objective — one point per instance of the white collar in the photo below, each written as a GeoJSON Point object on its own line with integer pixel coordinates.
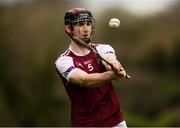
{"type": "Point", "coordinates": [78, 53]}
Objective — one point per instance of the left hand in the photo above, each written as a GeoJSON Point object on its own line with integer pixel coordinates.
{"type": "Point", "coordinates": [120, 70]}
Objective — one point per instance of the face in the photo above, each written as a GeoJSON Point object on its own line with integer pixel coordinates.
{"type": "Point", "coordinates": [82, 29]}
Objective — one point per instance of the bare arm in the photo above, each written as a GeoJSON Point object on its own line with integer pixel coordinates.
{"type": "Point", "coordinates": [93, 80]}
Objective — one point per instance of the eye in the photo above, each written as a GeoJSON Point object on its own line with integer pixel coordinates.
{"type": "Point", "coordinates": [81, 23]}
{"type": "Point", "coordinates": [89, 23]}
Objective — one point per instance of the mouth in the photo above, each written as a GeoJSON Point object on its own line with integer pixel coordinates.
{"type": "Point", "coordinates": [85, 36]}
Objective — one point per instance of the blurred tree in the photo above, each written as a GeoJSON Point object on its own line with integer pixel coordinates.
{"type": "Point", "coordinates": [176, 56]}
{"type": "Point", "coordinates": [31, 93]}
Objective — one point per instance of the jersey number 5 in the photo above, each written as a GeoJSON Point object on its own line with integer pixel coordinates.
{"type": "Point", "coordinates": [90, 67]}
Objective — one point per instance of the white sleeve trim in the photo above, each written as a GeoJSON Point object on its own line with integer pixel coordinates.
{"type": "Point", "coordinates": [105, 49]}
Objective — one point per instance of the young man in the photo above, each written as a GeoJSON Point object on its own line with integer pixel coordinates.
{"type": "Point", "coordinates": [86, 78]}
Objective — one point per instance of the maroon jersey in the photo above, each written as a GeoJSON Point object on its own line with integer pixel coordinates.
{"type": "Point", "coordinates": [89, 106]}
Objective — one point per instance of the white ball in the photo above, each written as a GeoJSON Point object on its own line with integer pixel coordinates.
{"type": "Point", "coordinates": [114, 23]}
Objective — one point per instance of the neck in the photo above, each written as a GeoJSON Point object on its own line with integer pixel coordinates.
{"type": "Point", "coordinates": [79, 50]}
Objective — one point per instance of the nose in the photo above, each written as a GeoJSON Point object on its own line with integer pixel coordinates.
{"type": "Point", "coordinates": [85, 30]}
{"type": "Point", "coordinates": [85, 26]}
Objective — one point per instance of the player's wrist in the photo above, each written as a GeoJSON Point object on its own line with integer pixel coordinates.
{"type": "Point", "coordinates": [108, 75]}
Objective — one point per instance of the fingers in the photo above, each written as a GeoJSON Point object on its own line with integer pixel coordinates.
{"type": "Point", "coordinates": [117, 65]}
{"type": "Point", "coordinates": [108, 67]}
{"type": "Point", "coordinates": [117, 68]}
{"type": "Point", "coordinates": [121, 73]}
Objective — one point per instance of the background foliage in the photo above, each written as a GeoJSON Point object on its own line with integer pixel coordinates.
{"type": "Point", "coordinates": [31, 39]}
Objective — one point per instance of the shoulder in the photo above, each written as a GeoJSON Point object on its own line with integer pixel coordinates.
{"type": "Point", "coordinates": [64, 58]}
{"type": "Point", "coordinates": [103, 48]}
{"type": "Point", "coordinates": [66, 53]}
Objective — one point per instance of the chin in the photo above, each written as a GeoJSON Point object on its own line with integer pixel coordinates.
{"type": "Point", "coordinates": [87, 40]}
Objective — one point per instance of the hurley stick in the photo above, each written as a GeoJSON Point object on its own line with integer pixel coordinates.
{"type": "Point", "coordinates": [83, 44]}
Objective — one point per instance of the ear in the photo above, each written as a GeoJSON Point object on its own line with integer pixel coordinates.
{"type": "Point", "coordinates": [67, 28]}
